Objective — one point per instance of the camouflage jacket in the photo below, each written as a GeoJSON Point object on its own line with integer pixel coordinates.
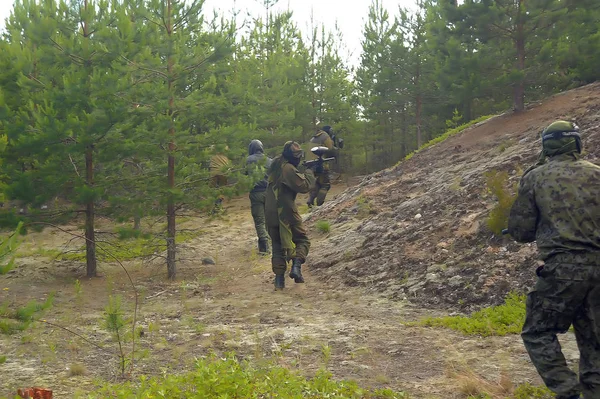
{"type": "Point", "coordinates": [558, 206]}
{"type": "Point", "coordinates": [321, 138]}
{"type": "Point", "coordinates": [285, 182]}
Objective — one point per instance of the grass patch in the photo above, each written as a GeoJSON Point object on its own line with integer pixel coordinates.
{"type": "Point", "coordinates": [77, 369]}
{"type": "Point", "coordinates": [323, 226]}
{"type": "Point", "coordinates": [7, 249]}
{"type": "Point", "coordinates": [504, 319]}
{"type": "Point", "coordinates": [125, 248]}
{"type": "Point", "coordinates": [12, 321]}
{"type": "Point", "coordinates": [2, 359]}
{"type": "Point", "coordinates": [447, 134]}
{"type": "Point", "coordinates": [525, 391]}
{"type": "Point", "coordinates": [497, 185]}
{"type": "Point", "coordinates": [230, 378]}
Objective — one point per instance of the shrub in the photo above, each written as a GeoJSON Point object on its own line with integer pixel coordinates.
{"type": "Point", "coordinates": [12, 321]}
{"type": "Point", "coordinates": [230, 378]}
{"type": "Point", "coordinates": [323, 226]}
{"type": "Point", "coordinates": [504, 319]}
{"type": "Point", "coordinates": [496, 184]}
{"type": "Point", "coordinates": [7, 249]}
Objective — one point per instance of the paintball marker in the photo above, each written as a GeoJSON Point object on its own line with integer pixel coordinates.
{"type": "Point", "coordinates": [317, 164]}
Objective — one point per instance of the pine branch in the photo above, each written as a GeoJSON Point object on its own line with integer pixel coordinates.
{"type": "Point", "coordinates": [164, 75]}
{"type": "Point", "coordinates": [74, 166]}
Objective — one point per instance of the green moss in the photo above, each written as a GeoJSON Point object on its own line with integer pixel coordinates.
{"type": "Point", "coordinates": [504, 319]}
{"type": "Point", "coordinates": [447, 134]}
{"type": "Point", "coordinates": [323, 226]}
{"type": "Point", "coordinates": [230, 378]}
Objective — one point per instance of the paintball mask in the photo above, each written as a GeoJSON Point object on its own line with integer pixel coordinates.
{"type": "Point", "coordinates": [292, 153]}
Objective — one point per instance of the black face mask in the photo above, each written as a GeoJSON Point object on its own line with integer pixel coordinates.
{"type": "Point", "coordinates": [294, 161]}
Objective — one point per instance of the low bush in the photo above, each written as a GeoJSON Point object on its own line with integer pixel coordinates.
{"type": "Point", "coordinates": [230, 378]}
{"type": "Point", "coordinates": [504, 319]}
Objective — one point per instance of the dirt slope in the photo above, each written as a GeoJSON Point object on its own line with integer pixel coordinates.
{"type": "Point", "coordinates": [447, 257]}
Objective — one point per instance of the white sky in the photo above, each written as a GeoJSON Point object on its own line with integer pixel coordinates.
{"type": "Point", "coordinates": [350, 15]}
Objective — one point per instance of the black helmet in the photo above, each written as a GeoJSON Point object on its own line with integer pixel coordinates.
{"type": "Point", "coordinates": [255, 147]}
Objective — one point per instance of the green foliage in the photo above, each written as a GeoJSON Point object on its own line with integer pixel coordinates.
{"type": "Point", "coordinates": [127, 233]}
{"type": "Point", "coordinates": [447, 134]}
{"type": "Point", "coordinates": [7, 247]}
{"type": "Point", "coordinates": [504, 319]}
{"type": "Point", "coordinates": [19, 319]}
{"type": "Point", "coordinates": [230, 378]}
{"type": "Point", "coordinates": [2, 359]}
{"type": "Point", "coordinates": [323, 226]}
{"type": "Point", "coordinates": [528, 391]}
{"type": "Point", "coordinates": [365, 207]}
{"type": "Point", "coordinates": [115, 323]}
{"type": "Point", "coordinates": [496, 185]}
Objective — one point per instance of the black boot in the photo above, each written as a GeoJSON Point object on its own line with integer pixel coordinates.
{"type": "Point", "coordinates": [296, 272]}
{"type": "Point", "coordinates": [263, 246]}
{"type": "Point", "coordinates": [279, 281]}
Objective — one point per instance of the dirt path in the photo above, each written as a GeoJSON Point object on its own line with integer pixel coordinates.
{"type": "Point", "coordinates": [231, 307]}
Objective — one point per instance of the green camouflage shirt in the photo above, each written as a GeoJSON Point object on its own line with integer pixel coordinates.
{"type": "Point", "coordinates": [558, 206]}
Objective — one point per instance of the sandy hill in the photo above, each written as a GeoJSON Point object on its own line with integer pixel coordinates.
{"type": "Point", "coordinates": [447, 257]}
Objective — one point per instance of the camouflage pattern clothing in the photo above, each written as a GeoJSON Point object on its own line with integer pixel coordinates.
{"type": "Point", "coordinates": [322, 182]}
{"type": "Point", "coordinates": [257, 158]}
{"type": "Point", "coordinates": [558, 205]}
{"type": "Point", "coordinates": [284, 223]}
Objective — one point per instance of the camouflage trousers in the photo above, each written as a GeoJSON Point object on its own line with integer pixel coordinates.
{"type": "Point", "coordinates": [319, 190]}
{"type": "Point", "coordinates": [565, 294]}
{"type": "Point", "coordinates": [257, 208]}
{"type": "Point", "coordinates": [279, 257]}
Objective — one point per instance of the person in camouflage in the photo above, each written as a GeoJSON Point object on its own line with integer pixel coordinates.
{"type": "Point", "coordinates": [558, 206]}
{"type": "Point", "coordinates": [322, 183]}
{"type": "Point", "coordinates": [290, 241]}
{"type": "Point", "coordinates": [257, 158]}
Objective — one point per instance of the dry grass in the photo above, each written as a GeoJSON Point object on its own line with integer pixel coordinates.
{"type": "Point", "coordinates": [77, 369]}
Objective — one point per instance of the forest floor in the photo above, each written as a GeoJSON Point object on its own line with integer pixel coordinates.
{"type": "Point", "coordinates": [231, 307]}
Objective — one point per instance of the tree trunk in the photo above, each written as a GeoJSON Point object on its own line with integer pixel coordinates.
{"type": "Point", "coordinates": [403, 134]}
{"type": "Point", "coordinates": [137, 221]}
{"type": "Point", "coordinates": [418, 102]}
{"type": "Point", "coordinates": [519, 90]}
{"type": "Point", "coordinates": [171, 229]}
{"type": "Point", "coordinates": [90, 239]}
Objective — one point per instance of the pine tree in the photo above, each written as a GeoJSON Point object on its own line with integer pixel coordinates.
{"type": "Point", "coordinates": [70, 80]}
{"type": "Point", "coordinates": [171, 81]}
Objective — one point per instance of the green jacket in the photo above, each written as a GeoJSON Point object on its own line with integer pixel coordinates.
{"type": "Point", "coordinates": [558, 206]}
{"type": "Point", "coordinates": [285, 182]}
{"type": "Point", "coordinates": [321, 138]}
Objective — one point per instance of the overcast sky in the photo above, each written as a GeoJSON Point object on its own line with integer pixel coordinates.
{"type": "Point", "coordinates": [350, 15]}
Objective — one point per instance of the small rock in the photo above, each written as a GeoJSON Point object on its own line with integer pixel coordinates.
{"type": "Point", "coordinates": [432, 277]}
{"type": "Point", "coordinates": [454, 281]}
{"type": "Point", "coordinates": [418, 216]}
{"type": "Point", "coordinates": [208, 261]}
